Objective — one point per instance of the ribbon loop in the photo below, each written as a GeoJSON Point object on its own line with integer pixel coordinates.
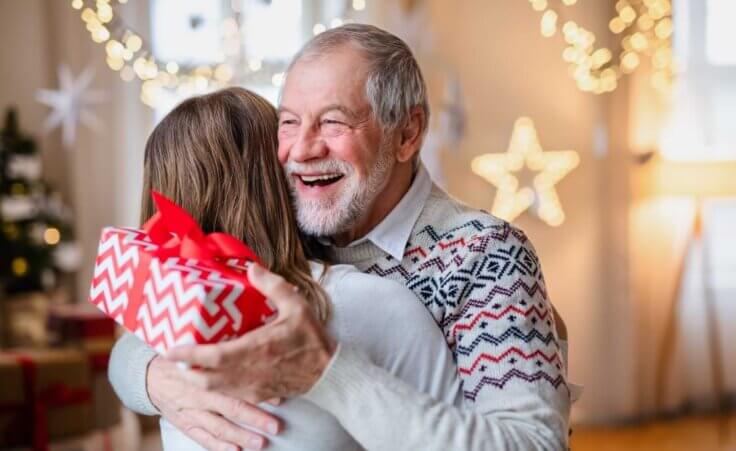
{"type": "Point", "coordinates": [178, 235]}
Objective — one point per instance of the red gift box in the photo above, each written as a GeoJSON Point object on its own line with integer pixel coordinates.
{"type": "Point", "coordinates": [44, 395]}
{"type": "Point", "coordinates": [170, 284]}
{"type": "Point", "coordinates": [77, 323]}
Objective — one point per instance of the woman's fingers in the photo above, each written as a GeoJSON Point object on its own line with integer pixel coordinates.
{"type": "Point", "coordinates": [219, 433]}
{"type": "Point", "coordinates": [206, 440]}
{"type": "Point", "coordinates": [243, 412]}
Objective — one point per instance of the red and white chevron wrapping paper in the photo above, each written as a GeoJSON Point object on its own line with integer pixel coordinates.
{"type": "Point", "coordinates": [181, 300]}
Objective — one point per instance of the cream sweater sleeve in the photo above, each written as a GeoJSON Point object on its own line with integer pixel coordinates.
{"type": "Point", "coordinates": [383, 413]}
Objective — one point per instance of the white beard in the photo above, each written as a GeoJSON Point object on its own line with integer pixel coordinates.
{"type": "Point", "coordinates": [330, 216]}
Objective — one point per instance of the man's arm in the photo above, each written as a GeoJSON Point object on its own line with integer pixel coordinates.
{"type": "Point", "coordinates": [127, 371]}
{"type": "Point", "coordinates": [136, 371]}
{"type": "Point", "coordinates": [287, 357]}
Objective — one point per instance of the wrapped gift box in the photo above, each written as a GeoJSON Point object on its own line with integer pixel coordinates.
{"type": "Point", "coordinates": [93, 333]}
{"type": "Point", "coordinates": [23, 318]}
{"type": "Point", "coordinates": [105, 403]}
{"type": "Point", "coordinates": [44, 395]}
{"type": "Point", "coordinates": [171, 284]}
{"type": "Point", "coordinates": [76, 323]}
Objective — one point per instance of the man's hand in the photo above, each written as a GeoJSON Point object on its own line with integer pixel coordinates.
{"type": "Point", "coordinates": [209, 418]}
{"type": "Point", "coordinates": [281, 359]}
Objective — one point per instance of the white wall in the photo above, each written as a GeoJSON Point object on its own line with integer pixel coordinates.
{"type": "Point", "coordinates": [100, 175]}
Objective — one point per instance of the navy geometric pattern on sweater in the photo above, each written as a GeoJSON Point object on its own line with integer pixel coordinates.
{"type": "Point", "coordinates": [483, 284]}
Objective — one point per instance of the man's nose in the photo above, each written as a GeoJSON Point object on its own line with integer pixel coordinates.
{"type": "Point", "coordinates": [308, 146]}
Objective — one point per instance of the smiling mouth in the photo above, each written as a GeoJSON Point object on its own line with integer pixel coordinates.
{"type": "Point", "coordinates": [320, 180]}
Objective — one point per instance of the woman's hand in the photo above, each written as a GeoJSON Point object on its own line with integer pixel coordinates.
{"type": "Point", "coordinates": [281, 359]}
{"type": "Point", "coordinates": [207, 417]}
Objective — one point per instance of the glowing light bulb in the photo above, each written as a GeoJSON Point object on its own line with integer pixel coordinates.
{"type": "Point", "coordinates": [548, 24]}
{"type": "Point", "coordinates": [617, 25]}
{"type": "Point", "coordinates": [19, 266]}
{"type": "Point", "coordinates": [134, 43]}
{"type": "Point", "coordinates": [639, 41]}
{"type": "Point", "coordinates": [278, 79]}
{"type": "Point", "coordinates": [52, 236]}
{"type": "Point", "coordinates": [223, 73]}
{"type": "Point", "coordinates": [629, 62]}
{"type": "Point", "coordinates": [255, 65]}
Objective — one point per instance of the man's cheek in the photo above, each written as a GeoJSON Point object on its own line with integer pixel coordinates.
{"type": "Point", "coordinates": [283, 154]}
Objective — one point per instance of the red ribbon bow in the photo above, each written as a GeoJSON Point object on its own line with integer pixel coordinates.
{"type": "Point", "coordinates": [177, 235]}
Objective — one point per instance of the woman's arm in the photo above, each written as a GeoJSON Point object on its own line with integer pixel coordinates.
{"type": "Point", "coordinates": [127, 373]}
{"type": "Point", "coordinates": [209, 418]}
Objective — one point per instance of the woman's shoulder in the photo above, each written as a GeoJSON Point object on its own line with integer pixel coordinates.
{"type": "Point", "coordinates": [346, 282]}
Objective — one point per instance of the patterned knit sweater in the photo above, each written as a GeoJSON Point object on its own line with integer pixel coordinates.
{"type": "Point", "coordinates": [481, 280]}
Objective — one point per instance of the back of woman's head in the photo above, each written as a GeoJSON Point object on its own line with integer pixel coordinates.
{"type": "Point", "coordinates": [215, 156]}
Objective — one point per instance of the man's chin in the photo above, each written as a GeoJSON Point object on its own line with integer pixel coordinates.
{"type": "Point", "coordinates": [318, 223]}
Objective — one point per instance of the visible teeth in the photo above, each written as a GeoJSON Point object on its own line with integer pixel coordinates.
{"type": "Point", "coordinates": [316, 178]}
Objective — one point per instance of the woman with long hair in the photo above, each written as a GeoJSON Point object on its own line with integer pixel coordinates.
{"type": "Point", "coordinates": [215, 156]}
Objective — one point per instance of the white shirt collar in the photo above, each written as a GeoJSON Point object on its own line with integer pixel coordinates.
{"type": "Point", "coordinates": [392, 234]}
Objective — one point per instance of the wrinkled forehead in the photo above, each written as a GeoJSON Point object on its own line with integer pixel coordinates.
{"type": "Point", "coordinates": [337, 75]}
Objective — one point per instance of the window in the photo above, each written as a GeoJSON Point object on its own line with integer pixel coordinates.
{"type": "Point", "coordinates": [702, 127]}
{"type": "Point", "coordinates": [704, 102]}
{"type": "Point", "coordinates": [195, 32]}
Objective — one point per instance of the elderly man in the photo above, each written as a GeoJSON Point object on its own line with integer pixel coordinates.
{"type": "Point", "coordinates": [352, 118]}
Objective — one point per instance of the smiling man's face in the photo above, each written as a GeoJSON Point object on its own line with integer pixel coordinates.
{"type": "Point", "coordinates": [331, 146]}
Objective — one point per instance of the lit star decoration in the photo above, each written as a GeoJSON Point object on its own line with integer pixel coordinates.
{"type": "Point", "coordinates": [524, 149]}
{"type": "Point", "coordinates": [71, 104]}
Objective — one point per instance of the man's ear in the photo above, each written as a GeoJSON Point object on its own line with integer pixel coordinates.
{"type": "Point", "coordinates": [410, 135]}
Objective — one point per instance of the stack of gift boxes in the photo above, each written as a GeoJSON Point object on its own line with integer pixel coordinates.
{"type": "Point", "coordinates": [168, 283]}
{"type": "Point", "coordinates": [60, 390]}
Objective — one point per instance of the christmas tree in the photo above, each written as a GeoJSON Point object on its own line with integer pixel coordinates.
{"type": "Point", "coordinates": [36, 237]}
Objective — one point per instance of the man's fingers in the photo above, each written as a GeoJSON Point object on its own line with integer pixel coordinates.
{"type": "Point", "coordinates": [220, 431]}
{"type": "Point", "coordinates": [208, 356]}
{"type": "Point", "coordinates": [273, 286]}
{"type": "Point", "coordinates": [204, 380]}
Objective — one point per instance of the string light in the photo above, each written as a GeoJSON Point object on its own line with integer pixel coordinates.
{"type": "Point", "coordinates": [52, 236]}
{"type": "Point", "coordinates": [645, 27]}
{"type": "Point", "coordinates": [525, 150]}
{"type": "Point", "coordinates": [318, 28]}
{"type": "Point", "coordinates": [126, 53]}
{"type": "Point", "coordinates": [11, 231]}
{"type": "Point", "coordinates": [19, 266]}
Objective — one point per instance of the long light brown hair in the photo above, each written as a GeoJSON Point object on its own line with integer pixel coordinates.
{"type": "Point", "coordinates": [215, 156]}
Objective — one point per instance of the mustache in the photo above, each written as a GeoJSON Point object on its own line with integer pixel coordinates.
{"type": "Point", "coordinates": [331, 165]}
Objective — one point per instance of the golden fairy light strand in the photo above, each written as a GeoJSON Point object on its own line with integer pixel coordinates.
{"type": "Point", "coordinates": [645, 27]}
{"type": "Point", "coordinates": [127, 54]}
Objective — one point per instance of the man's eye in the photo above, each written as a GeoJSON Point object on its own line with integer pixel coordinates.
{"type": "Point", "coordinates": [331, 122]}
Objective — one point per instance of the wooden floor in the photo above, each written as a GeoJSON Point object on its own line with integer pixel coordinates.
{"type": "Point", "coordinates": [685, 434]}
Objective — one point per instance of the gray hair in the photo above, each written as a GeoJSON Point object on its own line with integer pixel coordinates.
{"type": "Point", "coordinates": [395, 84]}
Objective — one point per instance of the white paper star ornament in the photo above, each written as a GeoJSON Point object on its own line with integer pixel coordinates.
{"type": "Point", "coordinates": [72, 104]}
